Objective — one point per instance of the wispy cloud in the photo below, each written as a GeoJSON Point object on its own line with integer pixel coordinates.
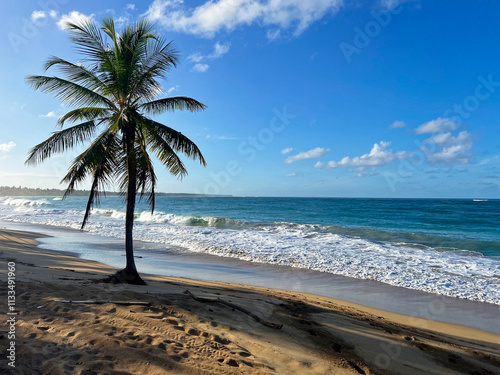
{"type": "Point", "coordinates": [311, 154]}
{"type": "Point", "coordinates": [6, 147]}
{"type": "Point", "coordinates": [436, 126]}
{"type": "Point", "coordinates": [391, 4]}
{"type": "Point", "coordinates": [221, 137]}
{"type": "Point", "coordinates": [397, 124]}
{"type": "Point", "coordinates": [379, 155]}
{"type": "Point", "coordinates": [121, 21]}
{"type": "Point", "coordinates": [220, 49]}
{"type": "Point", "coordinates": [273, 34]}
{"type": "Point", "coordinates": [73, 17]}
{"type": "Point", "coordinates": [130, 7]}
{"type": "Point", "coordinates": [214, 16]}
{"type": "Point", "coordinates": [172, 89]}
{"type": "Point", "coordinates": [200, 68]}
{"type": "Point", "coordinates": [369, 174]}
{"type": "Point", "coordinates": [286, 150]}
{"type": "Point", "coordinates": [292, 174]}
{"type": "Point", "coordinates": [49, 115]}
{"type": "Point", "coordinates": [195, 57]}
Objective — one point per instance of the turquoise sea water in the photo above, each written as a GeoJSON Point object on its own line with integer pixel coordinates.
{"type": "Point", "coordinates": [450, 247]}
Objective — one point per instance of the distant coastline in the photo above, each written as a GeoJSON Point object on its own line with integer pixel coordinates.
{"type": "Point", "coordinates": [18, 191]}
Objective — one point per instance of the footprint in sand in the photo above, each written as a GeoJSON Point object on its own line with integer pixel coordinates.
{"type": "Point", "coordinates": [232, 362]}
{"type": "Point", "coordinates": [193, 332]}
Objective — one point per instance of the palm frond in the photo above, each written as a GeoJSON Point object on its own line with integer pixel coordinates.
{"type": "Point", "coordinates": [69, 92]}
{"type": "Point", "coordinates": [160, 58]}
{"type": "Point", "coordinates": [89, 41]}
{"type": "Point", "coordinates": [78, 73]}
{"type": "Point", "coordinates": [84, 113]}
{"type": "Point", "coordinates": [171, 104]}
{"type": "Point", "coordinates": [94, 197]}
{"type": "Point", "coordinates": [61, 141]}
{"type": "Point", "coordinates": [101, 155]}
{"type": "Point", "coordinates": [154, 131]}
{"type": "Point", "coordinates": [146, 177]}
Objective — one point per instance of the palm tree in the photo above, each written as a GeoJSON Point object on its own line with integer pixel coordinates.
{"type": "Point", "coordinates": [113, 94]}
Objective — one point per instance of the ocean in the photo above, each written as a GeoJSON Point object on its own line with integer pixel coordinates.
{"type": "Point", "coordinates": [446, 246]}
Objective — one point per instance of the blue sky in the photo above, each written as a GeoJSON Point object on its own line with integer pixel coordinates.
{"type": "Point", "coordinates": [339, 98]}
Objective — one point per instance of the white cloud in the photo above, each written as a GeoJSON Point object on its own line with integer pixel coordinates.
{"type": "Point", "coordinates": [73, 17]}
{"type": "Point", "coordinates": [130, 7]}
{"type": "Point", "coordinates": [286, 150]}
{"type": "Point", "coordinates": [6, 147]}
{"type": "Point", "coordinates": [397, 124]}
{"type": "Point", "coordinates": [437, 126]}
{"type": "Point", "coordinates": [42, 14]}
{"type": "Point", "coordinates": [219, 50]}
{"type": "Point", "coordinates": [292, 174]}
{"type": "Point", "coordinates": [391, 4]}
{"type": "Point", "coordinates": [172, 89]}
{"type": "Point", "coordinates": [379, 155]}
{"type": "Point", "coordinates": [37, 14]}
{"type": "Point", "coordinates": [438, 138]}
{"type": "Point", "coordinates": [200, 68]}
{"type": "Point", "coordinates": [221, 137]}
{"type": "Point", "coordinates": [213, 16]}
{"type": "Point", "coordinates": [195, 57]}
{"type": "Point", "coordinates": [314, 153]}
{"type": "Point", "coordinates": [120, 21]}
{"type": "Point", "coordinates": [446, 149]}
{"type": "Point", "coordinates": [273, 34]}
{"type": "Point", "coordinates": [361, 175]}
{"type": "Point", "coordinates": [49, 115]}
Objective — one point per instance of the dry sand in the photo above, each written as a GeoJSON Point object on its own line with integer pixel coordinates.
{"type": "Point", "coordinates": [177, 334]}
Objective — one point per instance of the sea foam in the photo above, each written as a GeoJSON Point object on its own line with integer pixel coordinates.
{"type": "Point", "coordinates": [447, 271]}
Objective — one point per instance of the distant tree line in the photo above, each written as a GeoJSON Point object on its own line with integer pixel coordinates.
{"type": "Point", "coordinates": [18, 191]}
{"type": "Point", "coordinates": [32, 192]}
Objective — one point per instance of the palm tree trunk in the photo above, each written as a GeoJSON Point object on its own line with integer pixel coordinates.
{"type": "Point", "coordinates": [129, 222]}
{"type": "Point", "coordinates": [130, 274]}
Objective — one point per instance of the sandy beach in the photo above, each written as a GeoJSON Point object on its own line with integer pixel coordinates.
{"type": "Point", "coordinates": [219, 328]}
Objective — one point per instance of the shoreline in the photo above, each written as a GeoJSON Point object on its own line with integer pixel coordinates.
{"type": "Point", "coordinates": [320, 334]}
{"type": "Point", "coordinates": [155, 259]}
